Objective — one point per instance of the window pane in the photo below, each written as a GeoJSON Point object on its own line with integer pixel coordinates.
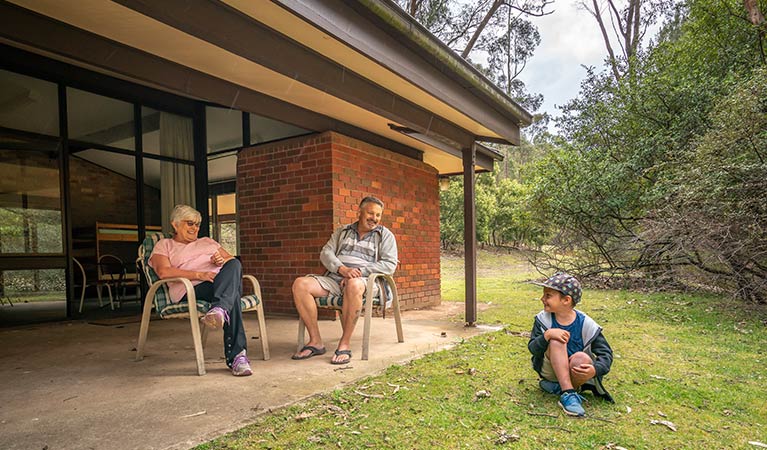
{"type": "Point", "coordinates": [222, 168]}
{"type": "Point", "coordinates": [102, 187]}
{"type": "Point", "coordinates": [226, 204]}
{"type": "Point", "coordinates": [263, 129]}
{"type": "Point", "coordinates": [36, 295]}
{"type": "Point", "coordinates": [174, 184]}
{"type": "Point", "coordinates": [228, 238]}
{"type": "Point", "coordinates": [34, 285]}
{"type": "Point", "coordinates": [28, 104]}
{"type": "Point", "coordinates": [30, 203]}
{"type": "Point", "coordinates": [100, 120]}
{"type": "Point", "coordinates": [224, 128]}
{"type": "Point", "coordinates": [152, 203]}
{"type": "Point", "coordinates": [167, 134]}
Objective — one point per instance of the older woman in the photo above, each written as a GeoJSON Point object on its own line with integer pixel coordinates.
{"type": "Point", "coordinates": [216, 276]}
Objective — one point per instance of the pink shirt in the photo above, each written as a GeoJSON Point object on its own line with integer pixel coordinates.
{"type": "Point", "coordinates": [194, 256]}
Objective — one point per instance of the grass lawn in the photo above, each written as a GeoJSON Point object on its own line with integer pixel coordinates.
{"type": "Point", "coordinates": [694, 361]}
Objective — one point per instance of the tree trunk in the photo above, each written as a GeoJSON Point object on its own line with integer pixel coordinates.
{"type": "Point", "coordinates": [490, 13]}
{"type": "Point", "coordinates": [413, 8]}
{"type": "Point", "coordinates": [613, 62]}
{"type": "Point", "coordinates": [754, 13]}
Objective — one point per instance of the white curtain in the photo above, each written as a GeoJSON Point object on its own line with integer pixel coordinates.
{"type": "Point", "coordinates": [176, 180]}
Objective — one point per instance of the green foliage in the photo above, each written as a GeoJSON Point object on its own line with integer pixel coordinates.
{"type": "Point", "coordinates": [647, 158]}
{"type": "Point", "coordinates": [658, 175]}
{"type": "Point", "coordinates": [30, 231]}
{"type": "Point", "coordinates": [501, 213]}
{"type": "Point", "coordinates": [27, 230]}
{"type": "Point", "coordinates": [451, 213]}
{"type": "Point", "coordinates": [716, 219]}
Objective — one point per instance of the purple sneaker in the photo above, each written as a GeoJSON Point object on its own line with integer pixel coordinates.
{"type": "Point", "coordinates": [241, 365]}
{"type": "Point", "coordinates": [215, 318]}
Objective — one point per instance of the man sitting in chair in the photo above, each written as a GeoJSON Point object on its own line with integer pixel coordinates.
{"type": "Point", "coordinates": [352, 253]}
{"type": "Point", "coordinates": [216, 276]}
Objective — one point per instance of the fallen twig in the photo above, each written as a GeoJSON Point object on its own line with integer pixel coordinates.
{"type": "Point", "coordinates": [668, 424]}
{"type": "Point", "coordinates": [195, 414]}
{"type": "Point", "coordinates": [552, 427]}
{"type": "Point", "coordinates": [368, 395]}
{"type": "Point", "coordinates": [396, 387]}
{"type": "Point", "coordinates": [530, 413]}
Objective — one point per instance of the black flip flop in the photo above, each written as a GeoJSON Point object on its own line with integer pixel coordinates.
{"type": "Point", "coordinates": [342, 352]}
{"type": "Point", "coordinates": [314, 352]}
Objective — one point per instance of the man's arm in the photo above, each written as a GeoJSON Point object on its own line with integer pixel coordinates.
{"type": "Point", "coordinates": [328, 256]}
{"type": "Point", "coordinates": [387, 256]}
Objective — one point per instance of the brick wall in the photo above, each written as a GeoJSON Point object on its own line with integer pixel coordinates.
{"type": "Point", "coordinates": [294, 193]}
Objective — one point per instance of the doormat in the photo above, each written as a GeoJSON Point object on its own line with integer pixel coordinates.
{"type": "Point", "coordinates": [117, 321]}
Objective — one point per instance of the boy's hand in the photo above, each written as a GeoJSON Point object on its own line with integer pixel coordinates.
{"type": "Point", "coordinates": [586, 370]}
{"type": "Point", "coordinates": [557, 334]}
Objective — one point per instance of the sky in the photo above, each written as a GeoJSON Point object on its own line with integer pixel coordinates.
{"type": "Point", "coordinates": [570, 38]}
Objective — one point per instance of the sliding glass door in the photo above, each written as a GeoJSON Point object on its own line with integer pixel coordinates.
{"type": "Point", "coordinates": [32, 261]}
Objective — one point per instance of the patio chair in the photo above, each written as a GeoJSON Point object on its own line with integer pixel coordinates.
{"type": "Point", "coordinates": [111, 273]}
{"type": "Point", "coordinates": [335, 302]}
{"type": "Point", "coordinates": [158, 298]}
{"type": "Point", "coordinates": [112, 269]}
{"type": "Point", "coordinates": [85, 284]}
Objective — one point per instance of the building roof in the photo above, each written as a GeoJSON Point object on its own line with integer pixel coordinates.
{"type": "Point", "coordinates": [364, 68]}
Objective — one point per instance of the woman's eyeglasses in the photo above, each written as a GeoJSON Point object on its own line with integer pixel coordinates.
{"type": "Point", "coordinates": [191, 223]}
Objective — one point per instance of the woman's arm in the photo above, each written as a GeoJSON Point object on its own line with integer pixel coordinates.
{"type": "Point", "coordinates": [161, 265]}
{"type": "Point", "coordinates": [220, 257]}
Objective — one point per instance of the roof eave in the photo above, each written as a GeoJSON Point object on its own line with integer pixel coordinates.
{"type": "Point", "coordinates": [391, 14]}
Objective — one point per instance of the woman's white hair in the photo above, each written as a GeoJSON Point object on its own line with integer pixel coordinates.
{"type": "Point", "coordinates": [184, 212]}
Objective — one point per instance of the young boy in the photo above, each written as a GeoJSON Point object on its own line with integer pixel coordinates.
{"type": "Point", "coordinates": [569, 351]}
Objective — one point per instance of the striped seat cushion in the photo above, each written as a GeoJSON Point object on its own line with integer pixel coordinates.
{"type": "Point", "coordinates": [337, 301]}
{"type": "Point", "coordinates": [162, 296]}
{"type": "Point", "coordinates": [181, 309]}
{"type": "Point", "coordinates": [249, 302]}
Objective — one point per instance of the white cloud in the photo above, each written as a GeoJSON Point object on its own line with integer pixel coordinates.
{"type": "Point", "coordinates": [570, 39]}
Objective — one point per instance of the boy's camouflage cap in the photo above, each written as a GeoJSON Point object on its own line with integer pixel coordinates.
{"type": "Point", "coordinates": [564, 283]}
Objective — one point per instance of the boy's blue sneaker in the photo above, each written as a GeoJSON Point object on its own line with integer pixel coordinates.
{"type": "Point", "coordinates": [572, 404]}
{"type": "Point", "coordinates": [552, 387]}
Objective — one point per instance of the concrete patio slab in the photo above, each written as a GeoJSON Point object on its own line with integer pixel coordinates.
{"type": "Point", "coordinates": [75, 385]}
